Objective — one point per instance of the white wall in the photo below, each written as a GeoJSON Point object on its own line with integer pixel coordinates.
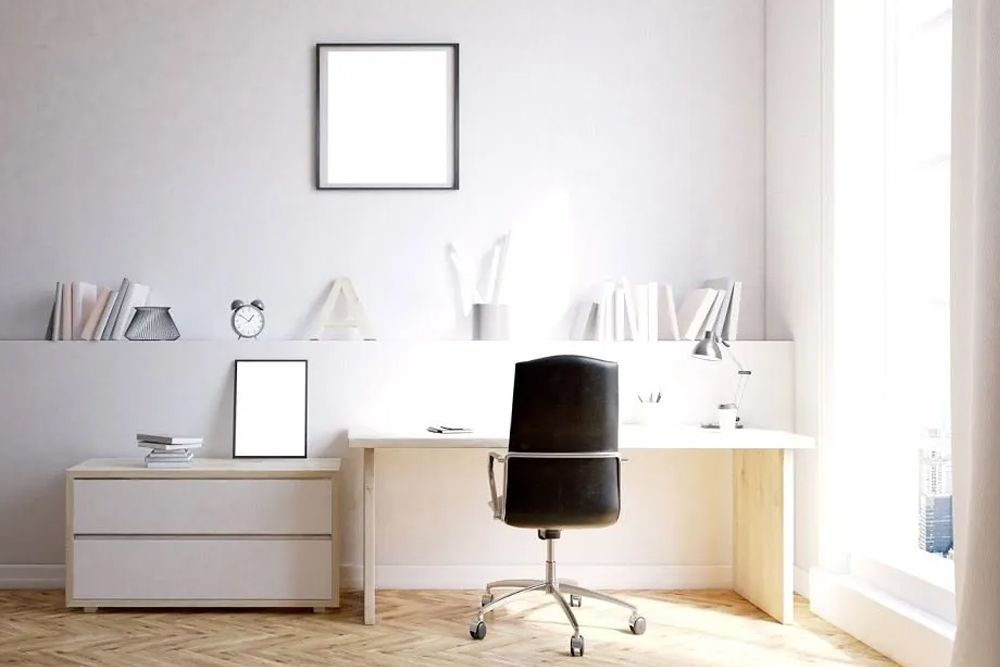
{"type": "Point", "coordinates": [171, 140]}
{"type": "Point", "coordinates": [794, 200]}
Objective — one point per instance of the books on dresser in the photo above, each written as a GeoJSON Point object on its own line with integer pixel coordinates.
{"type": "Point", "coordinates": [168, 451]}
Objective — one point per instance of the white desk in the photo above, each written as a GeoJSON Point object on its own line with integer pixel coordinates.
{"type": "Point", "coordinates": [762, 497]}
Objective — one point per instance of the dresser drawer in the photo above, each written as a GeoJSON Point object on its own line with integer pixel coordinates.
{"type": "Point", "coordinates": [108, 569]}
{"type": "Point", "coordinates": [202, 506]}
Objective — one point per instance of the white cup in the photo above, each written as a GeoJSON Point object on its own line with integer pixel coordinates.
{"type": "Point", "coordinates": [727, 417]}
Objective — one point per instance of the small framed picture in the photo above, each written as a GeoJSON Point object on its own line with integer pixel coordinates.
{"type": "Point", "coordinates": [270, 408]}
{"type": "Point", "coordinates": [387, 116]}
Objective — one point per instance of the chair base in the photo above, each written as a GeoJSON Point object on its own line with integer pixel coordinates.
{"type": "Point", "coordinates": [555, 587]}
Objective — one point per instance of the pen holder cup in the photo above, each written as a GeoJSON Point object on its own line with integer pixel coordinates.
{"type": "Point", "coordinates": [652, 415]}
{"type": "Point", "coordinates": [490, 321]}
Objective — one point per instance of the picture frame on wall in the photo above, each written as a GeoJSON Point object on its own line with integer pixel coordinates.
{"type": "Point", "coordinates": [270, 408]}
{"type": "Point", "coordinates": [387, 116]}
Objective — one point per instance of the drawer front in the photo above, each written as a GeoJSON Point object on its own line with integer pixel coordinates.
{"type": "Point", "coordinates": [202, 569]}
{"type": "Point", "coordinates": [203, 506]}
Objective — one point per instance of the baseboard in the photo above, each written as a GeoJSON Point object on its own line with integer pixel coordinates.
{"type": "Point", "coordinates": [36, 577]}
{"type": "Point", "coordinates": [800, 581]}
{"type": "Point", "coordinates": [620, 577]}
{"type": "Point", "coordinates": [460, 577]}
{"type": "Point", "coordinates": [898, 630]}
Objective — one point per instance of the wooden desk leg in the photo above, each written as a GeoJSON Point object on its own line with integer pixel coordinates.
{"type": "Point", "coordinates": [762, 529]}
{"type": "Point", "coordinates": [369, 535]}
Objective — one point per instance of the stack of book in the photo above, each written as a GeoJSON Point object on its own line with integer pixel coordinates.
{"type": "Point", "coordinates": [168, 451]}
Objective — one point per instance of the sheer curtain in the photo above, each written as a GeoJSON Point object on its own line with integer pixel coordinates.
{"type": "Point", "coordinates": [976, 329]}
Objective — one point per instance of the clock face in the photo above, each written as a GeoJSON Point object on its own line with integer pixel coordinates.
{"type": "Point", "coordinates": [248, 322]}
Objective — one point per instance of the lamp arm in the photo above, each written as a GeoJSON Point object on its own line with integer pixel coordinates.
{"type": "Point", "coordinates": [743, 375]}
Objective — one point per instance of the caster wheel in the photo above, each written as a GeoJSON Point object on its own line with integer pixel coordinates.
{"type": "Point", "coordinates": [486, 599]}
{"type": "Point", "coordinates": [477, 630]}
{"type": "Point", "coordinates": [637, 624]}
{"type": "Point", "coordinates": [575, 601]}
{"type": "Point", "coordinates": [576, 646]}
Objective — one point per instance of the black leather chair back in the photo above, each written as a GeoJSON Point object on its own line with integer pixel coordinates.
{"type": "Point", "coordinates": [565, 403]}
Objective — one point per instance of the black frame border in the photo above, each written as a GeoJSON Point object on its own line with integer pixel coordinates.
{"type": "Point", "coordinates": [305, 435]}
{"type": "Point", "coordinates": [455, 116]}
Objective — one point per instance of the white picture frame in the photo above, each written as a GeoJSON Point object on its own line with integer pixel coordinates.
{"type": "Point", "coordinates": [270, 408]}
{"type": "Point", "coordinates": [387, 116]}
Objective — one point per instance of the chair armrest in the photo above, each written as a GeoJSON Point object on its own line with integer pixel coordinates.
{"type": "Point", "coordinates": [494, 498]}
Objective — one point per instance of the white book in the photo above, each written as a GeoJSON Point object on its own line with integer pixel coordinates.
{"type": "Point", "coordinates": [652, 312]}
{"type": "Point", "coordinates": [583, 325]}
{"type": "Point", "coordinates": [640, 299]}
{"type": "Point", "coordinates": [160, 447]}
{"type": "Point", "coordinates": [135, 295]}
{"type": "Point", "coordinates": [169, 464]}
{"type": "Point", "coordinates": [692, 313]}
{"type": "Point", "coordinates": [605, 315]}
{"type": "Point", "coordinates": [84, 299]}
{"type": "Point", "coordinates": [713, 314]}
{"type": "Point", "coordinates": [631, 314]}
{"type": "Point", "coordinates": [619, 310]}
{"type": "Point", "coordinates": [667, 312]}
{"type": "Point", "coordinates": [731, 328]}
{"type": "Point", "coordinates": [54, 331]}
{"type": "Point", "coordinates": [725, 287]}
{"type": "Point", "coordinates": [116, 308]}
{"type": "Point", "coordinates": [87, 333]}
{"type": "Point", "coordinates": [102, 322]}
{"type": "Point", "coordinates": [159, 439]}
{"type": "Point", "coordinates": [66, 332]}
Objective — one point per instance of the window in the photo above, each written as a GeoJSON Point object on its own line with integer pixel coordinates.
{"type": "Point", "coordinates": [890, 367]}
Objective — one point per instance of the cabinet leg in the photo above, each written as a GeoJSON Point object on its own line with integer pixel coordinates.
{"type": "Point", "coordinates": [369, 535]}
{"type": "Point", "coordinates": [319, 610]}
{"type": "Point", "coordinates": [90, 610]}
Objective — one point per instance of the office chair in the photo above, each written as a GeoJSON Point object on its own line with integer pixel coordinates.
{"type": "Point", "coordinates": [562, 470]}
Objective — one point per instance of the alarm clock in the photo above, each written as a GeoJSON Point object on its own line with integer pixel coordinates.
{"type": "Point", "coordinates": [247, 318]}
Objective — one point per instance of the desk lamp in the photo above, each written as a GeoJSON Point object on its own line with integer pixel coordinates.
{"type": "Point", "coordinates": [711, 348]}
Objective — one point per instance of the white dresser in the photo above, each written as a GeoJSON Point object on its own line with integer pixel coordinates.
{"type": "Point", "coordinates": [224, 533]}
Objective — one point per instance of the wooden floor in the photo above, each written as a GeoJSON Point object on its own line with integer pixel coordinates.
{"type": "Point", "coordinates": [695, 628]}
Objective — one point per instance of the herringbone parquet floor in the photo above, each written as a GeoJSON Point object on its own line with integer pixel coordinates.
{"type": "Point", "coordinates": [690, 628]}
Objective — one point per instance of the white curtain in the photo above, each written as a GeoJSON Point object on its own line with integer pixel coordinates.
{"type": "Point", "coordinates": [976, 329]}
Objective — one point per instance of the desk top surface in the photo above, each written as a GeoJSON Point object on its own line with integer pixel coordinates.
{"type": "Point", "coordinates": [629, 437]}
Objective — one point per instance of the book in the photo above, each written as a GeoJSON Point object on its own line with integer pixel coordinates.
{"type": "Point", "coordinates": [586, 318]}
{"type": "Point", "coordinates": [731, 328]}
{"type": "Point", "coordinates": [105, 316]}
{"type": "Point", "coordinates": [605, 327]}
{"type": "Point", "coordinates": [692, 313]}
{"type": "Point", "coordinates": [183, 455]}
{"type": "Point", "coordinates": [158, 439]}
{"type": "Point", "coordinates": [631, 311]}
{"type": "Point", "coordinates": [713, 314]}
{"type": "Point", "coordinates": [115, 310]}
{"type": "Point", "coordinates": [640, 300]}
{"type": "Point", "coordinates": [54, 330]}
{"type": "Point", "coordinates": [667, 315]}
{"type": "Point", "coordinates": [66, 332]}
{"type": "Point", "coordinates": [135, 295]}
{"type": "Point", "coordinates": [160, 447]}
{"type": "Point", "coordinates": [87, 333]}
{"type": "Point", "coordinates": [619, 314]}
{"type": "Point", "coordinates": [652, 312]}
{"type": "Point", "coordinates": [84, 298]}
{"type": "Point", "coordinates": [725, 287]}
{"type": "Point", "coordinates": [168, 464]}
